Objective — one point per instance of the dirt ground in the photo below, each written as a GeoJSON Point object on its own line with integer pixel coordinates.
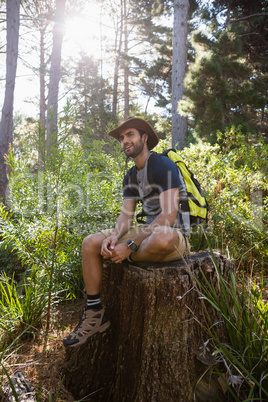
{"type": "Point", "coordinates": [43, 366]}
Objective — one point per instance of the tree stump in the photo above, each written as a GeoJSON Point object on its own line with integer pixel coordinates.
{"type": "Point", "coordinates": [149, 352]}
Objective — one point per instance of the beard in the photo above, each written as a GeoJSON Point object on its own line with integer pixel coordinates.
{"type": "Point", "coordinates": [135, 149]}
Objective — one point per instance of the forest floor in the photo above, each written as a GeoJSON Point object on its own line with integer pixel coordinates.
{"type": "Point", "coordinates": [43, 366]}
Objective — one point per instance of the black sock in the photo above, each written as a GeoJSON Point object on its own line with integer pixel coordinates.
{"type": "Point", "coordinates": [93, 302]}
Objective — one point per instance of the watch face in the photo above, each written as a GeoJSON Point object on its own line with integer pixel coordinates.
{"type": "Point", "coordinates": [132, 245]}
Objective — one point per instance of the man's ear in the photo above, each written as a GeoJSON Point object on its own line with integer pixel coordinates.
{"type": "Point", "coordinates": [146, 138]}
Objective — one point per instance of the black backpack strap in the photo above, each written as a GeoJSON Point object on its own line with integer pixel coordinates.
{"type": "Point", "coordinates": [130, 180]}
{"type": "Point", "coordinates": [150, 169]}
{"type": "Point", "coordinates": [151, 165]}
{"type": "Point", "coordinates": [168, 150]}
{"type": "Point", "coordinates": [133, 175]}
{"type": "Point", "coordinates": [133, 179]}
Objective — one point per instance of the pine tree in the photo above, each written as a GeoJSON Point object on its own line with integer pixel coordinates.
{"type": "Point", "coordinates": [248, 19]}
{"type": "Point", "coordinates": [91, 95]}
{"type": "Point", "coordinates": [179, 65]}
{"type": "Point", "coordinates": [54, 77]}
{"type": "Point", "coordinates": [6, 126]}
{"type": "Point", "coordinates": [223, 86]}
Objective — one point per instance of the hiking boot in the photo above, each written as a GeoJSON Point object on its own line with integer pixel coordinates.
{"type": "Point", "coordinates": [91, 322]}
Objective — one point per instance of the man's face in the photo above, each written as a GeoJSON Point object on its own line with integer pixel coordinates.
{"type": "Point", "coordinates": [131, 142]}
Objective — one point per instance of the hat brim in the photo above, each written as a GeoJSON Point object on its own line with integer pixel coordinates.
{"type": "Point", "coordinates": [138, 124]}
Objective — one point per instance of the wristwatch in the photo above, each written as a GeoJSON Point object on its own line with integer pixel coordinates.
{"type": "Point", "coordinates": [132, 245]}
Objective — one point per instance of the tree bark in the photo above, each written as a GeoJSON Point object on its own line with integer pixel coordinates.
{"type": "Point", "coordinates": [42, 103]}
{"type": "Point", "coordinates": [6, 126]}
{"type": "Point", "coordinates": [118, 51]}
{"type": "Point", "coordinates": [55, 75]}
{"type": "Point", "coordinates": [149, 352]}
{"type": "Point", "coordinates": [126, 62]}
{"type": "Point", "coordinates": [179, 64]}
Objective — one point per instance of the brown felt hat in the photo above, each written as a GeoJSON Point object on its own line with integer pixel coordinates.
{"type": "Point", "coordinates": [138, 124]}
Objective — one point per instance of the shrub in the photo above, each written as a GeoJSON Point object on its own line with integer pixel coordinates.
{"type": "Point", "coordinates": [52, 210]}
{"type": "Point", "coordinates": [234, 177]}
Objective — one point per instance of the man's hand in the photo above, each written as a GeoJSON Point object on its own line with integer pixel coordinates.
{"type": "Point", "coordinates": [120, 253]}
{"type": "Point", "coordinates": [108, 246]}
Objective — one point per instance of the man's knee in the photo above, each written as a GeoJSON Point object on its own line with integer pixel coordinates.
{"type": "Point", "coordinates": [92, 243]}
{"type": "Point", "coordinates": [164, 238]}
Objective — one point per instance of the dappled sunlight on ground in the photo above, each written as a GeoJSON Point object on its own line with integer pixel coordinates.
{"type": "Point", "coordinates": [43, 367]}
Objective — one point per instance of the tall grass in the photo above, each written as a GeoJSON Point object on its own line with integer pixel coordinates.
{"type": "Point", "coordinates": [22, 308]}
{"type": "Point", "coordinates": [243, 356]}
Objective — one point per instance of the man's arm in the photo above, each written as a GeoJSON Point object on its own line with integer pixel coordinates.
{"type": "Point", "coordinates": [123, 224]}
{"type": "Point", "coordinates": [169, 202]}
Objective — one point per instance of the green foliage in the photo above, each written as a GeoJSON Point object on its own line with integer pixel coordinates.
{"type": "Point", "coordinates": [234, 177]}
{"type": "Point", "coordinates": [242, 357]}
{"type": "Point", "coordinates": [22, 307]}
{"type": "Point", "coordinates": [8, 260]}
{"type": "Point", "coordinates": [90, 95]}
{"type": "Point", "coordinates": [225, 82]}
{"type": "Point", "coordinates": [75, 192]}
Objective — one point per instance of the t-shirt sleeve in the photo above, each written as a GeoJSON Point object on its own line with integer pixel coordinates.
{"type": "Point", "coordinates": [165, 174]}
{"type": "Point", "coordinates": [129, 189]}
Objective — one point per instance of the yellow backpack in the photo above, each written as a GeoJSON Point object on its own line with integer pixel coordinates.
{"type": "Point", "coordinates": [195, 204]}
{"type": "Point", "coordinates": [198, 205]}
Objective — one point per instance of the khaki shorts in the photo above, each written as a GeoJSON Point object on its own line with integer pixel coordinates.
{"type": "Point", "coordinates": [179, 252]}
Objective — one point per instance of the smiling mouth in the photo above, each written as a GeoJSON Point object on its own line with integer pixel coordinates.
{"type": "Point", "coordinates": [127, 148]}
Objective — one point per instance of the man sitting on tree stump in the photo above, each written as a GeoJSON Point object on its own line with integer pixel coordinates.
{"type": "Point", "coordinates": [161, 238]}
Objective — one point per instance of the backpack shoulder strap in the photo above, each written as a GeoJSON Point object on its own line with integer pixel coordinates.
{"type": "Point", "coordinates": [150, 169]}
{"type": "Point", "coordinates": [132, 182]}
{"type": "Point", "coordinates": [166, 152]}
{"type": "Point", "coordinates": [133, 175]}
{"type": "Point", "coordinates": [151, 165]}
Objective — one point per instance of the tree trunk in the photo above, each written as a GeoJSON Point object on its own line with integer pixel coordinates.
{"type": "Point", "coordinates": [179, 64]}
{"type": "Point", "coordinates": [149, 352]}
{"type": "Point", "coordinates": [126, 69]}
{"type": "Point", "coordinates": [55, 75]}
{"type": "Point", "coordinates": [42, 103]}
{"type": "Point", "coordinates": [118, 50]}
{"type": "Point", "coordinates": [6, 126]}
